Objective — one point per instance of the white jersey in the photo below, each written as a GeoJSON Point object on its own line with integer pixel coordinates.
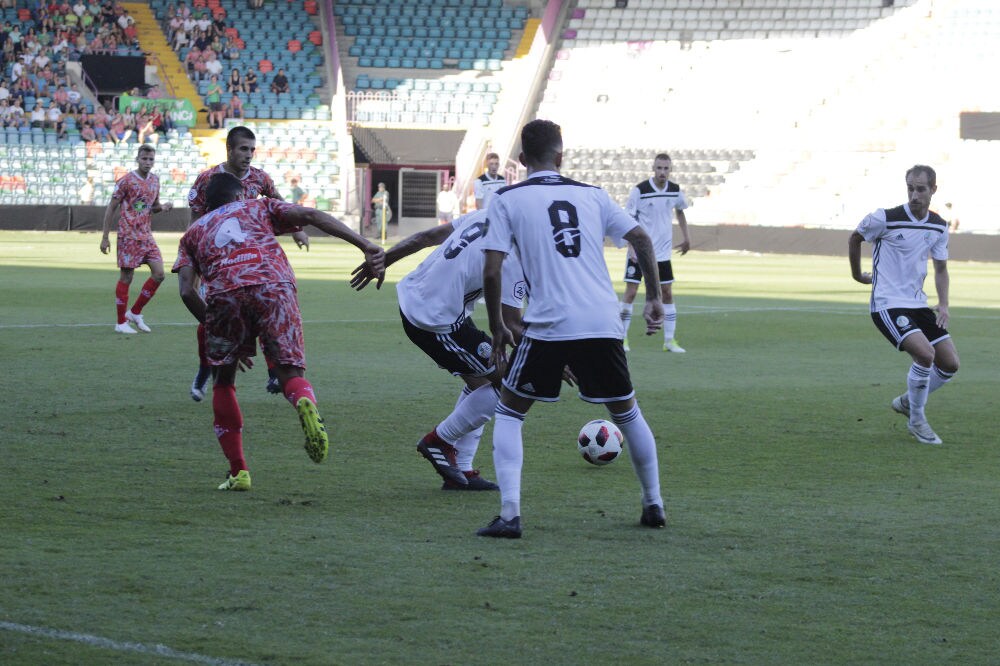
{"type": "Point", "coordinates": [485, 188]}
{"type": "Point", "coordinates": [441, 292]}
{"type": "Point", "coordinates": [557, 228]}
{"type": "Point", "coordinates": [901, 245]}
{"type": "Point", "coordinates": [654, 210]}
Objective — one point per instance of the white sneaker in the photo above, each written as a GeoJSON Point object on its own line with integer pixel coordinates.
{"type": "Point", "coordinates": [124, 328]}
{"type": "Point", "coordinates": [922, 431]}
{"type": "Point", "coordinates": [197, 392]}
{"type": "Point", "coordinates": [901, 405]}
{"type": "Point", "coordinates": [672, 346]}
{"type": "Point", "coordinates": [137, 320]}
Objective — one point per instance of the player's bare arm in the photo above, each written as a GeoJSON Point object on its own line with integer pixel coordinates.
{"type": "Point", "coordinates": [643, 246]}
{"type": "Point", "coordinates": [187, 281]}
{"type": "Point", "coordinates": [502, 336]}
{"type": "Point", "coordinates": [374, 254]}
{"type": "Point", "coordinates": [361, 276]}
{"type": "Point", "coordinates": [854, 258]}
{"type": "Point", "coordinates": [683, 224]}
{"type": "Point", "coordinates": [942, 283]}
{"type": "Point", "coordinates": [110, 215]}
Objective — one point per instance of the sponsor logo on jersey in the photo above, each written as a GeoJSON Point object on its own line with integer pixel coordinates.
{"type": "Point", "coordinates": [192, 194]}
{"type": "Point", "coordinates": [229, 230]}
{"type": "Point", "coordinates": [899, 236]}
{"type": "Point", "coordinates": [139, 206]}
{"type": "Point", "coordinates": [902, 321]}
{"type": "Point", "coordinates": [484, 349]}
{"type": "Point", "coordinates": [242, 257]}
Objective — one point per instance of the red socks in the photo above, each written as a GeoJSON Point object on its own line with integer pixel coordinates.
{"type": "Point", "coordinates": [148, 289]}
{"type": "Point", "coordinates": [121, 300]}
{"type": "Point", "coordinates": [299, 387]}
{"type": "Point", "coordinates": [229, 425]}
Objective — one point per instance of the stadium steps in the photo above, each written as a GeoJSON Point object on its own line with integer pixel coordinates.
{"type": "Point", "coordinates": [530, 28]}
{"type": "Point", "coordinates": [172, 72]}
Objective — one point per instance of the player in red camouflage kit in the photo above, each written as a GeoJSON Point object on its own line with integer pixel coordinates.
{"type": "Point", "coordinates": [250, 292]}
{"type": "Point", "coordinates": [241, 143]}
{"type": "Point", "coordinates": [138, 195]}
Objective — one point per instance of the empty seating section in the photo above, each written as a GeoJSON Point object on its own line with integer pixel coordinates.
{"type": "Point", "coordinates": [421, 102]}
{"type": "Point", "coordinates": [277, 36]}
{"type": "Point", "coordinates": [305, 151]}
{"type": "Point", "coordinates": [618, 169]}
{"type": "Point", "coordinates": [462, 34]}
{"type": "Point", "coordinates": [706, 20]}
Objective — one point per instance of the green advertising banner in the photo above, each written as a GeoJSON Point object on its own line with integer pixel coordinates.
{"type": "Point", "coordinates": [180, 111]}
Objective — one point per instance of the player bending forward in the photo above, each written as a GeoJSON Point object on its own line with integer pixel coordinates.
{"type": "Point", "coordinates": [250, 292]}
{"type": "Point", "coordinates": [435, 303]}
{"type": "Point", "coordinates": [557, 228]}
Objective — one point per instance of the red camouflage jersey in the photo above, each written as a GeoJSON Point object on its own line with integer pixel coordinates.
{"type": "Point", "coordinates": [235, 246]}
{"type": "Point", "coordinates": [137, 195]}
{"type": "Point", "coordinates": [256, 183]}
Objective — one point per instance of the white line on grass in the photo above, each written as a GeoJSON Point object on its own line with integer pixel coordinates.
{"type": "Point", "coordinates": [108, 644]}
{"type": "Point", "coordinates": [688, 309]}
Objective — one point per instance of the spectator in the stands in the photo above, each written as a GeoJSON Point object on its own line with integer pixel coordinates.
{"type": "Point", "coordinates": [61, 98]}
{"type": "Point", "coordinates": [191, 60]}
{"type": "Point", "coordinates": [219, 25]}
{"type": "Point", "coordinates": [213, 66]}
{"type": "Point", "coordinates": [279, 84]}
{"type": "Point", "coordinates": [189, 24]}
{"type": "Point", "coordinates": [250, 80]}
{"type": "Point", "coordinates": [235, 107]}
{"type": "Point", "coordinates": [180, 39]}
{"type": "Point", "coordinates": [204, 23]}
{"type": "Point", "coordinates": [38, 116]}
{"type": "Point", "coordinates": [235, 82]}
{"type": "Point", "coordinates": [87, 132]}
{"type": "Point", "coordinates": [230, 50]}
{"type": "Point", "coordinates": [216, 112]}
{"type": "Point", "coordinates": [54, 119]}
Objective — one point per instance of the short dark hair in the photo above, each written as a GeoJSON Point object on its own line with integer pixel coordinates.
{"type": "Point", "coordinates": [541, 140]}
{"type": "Point", "coordinates": [923, 168]}
{"type": "Point", "coordinates": [145, 148]}
{"type": "Point", "coordinates": [237, 133]}
{"type": "Point", "coordinates": [492, 156]}
{"type": "Point", "coordinates": [222, 188]}
{"type": "Point", "coordinates": [662, 156]}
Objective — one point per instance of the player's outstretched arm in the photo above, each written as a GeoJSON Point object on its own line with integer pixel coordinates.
{"type": "Point", "coordinates": [374, 255]}
{"type": "Point", "coordinates": [187, 281]}
{"type": "Point", "coordinates": [361, 276]}
{"type": "Point", "coordinates": [643, 246]}
{"type": "Point", "coordinates": [854, 258]}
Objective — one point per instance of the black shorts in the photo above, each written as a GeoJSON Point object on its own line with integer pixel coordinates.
{"type": "Point", "coordinates": [634, 274]}
{"type": "Point", "coordinates": [465, 351]}
{"type": "Point", "coordinates": [896, 324]}
{"type": "Point", "coordinates": [536, 369]}
{"type": "Point", "coordinates": [215, 106]}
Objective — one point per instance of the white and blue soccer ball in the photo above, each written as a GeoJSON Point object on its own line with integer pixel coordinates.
{"type": "Point", "coordinates": [600, 442]}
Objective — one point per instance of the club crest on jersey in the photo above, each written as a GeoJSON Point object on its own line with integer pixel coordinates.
{"type": "Point", "coordinates": [252, 191]}
{"type": "Point", "coordinates": [902, 321]}
{"type": "Point", "coordinates": [520, 290]}
{"type": "Point", "coordinates": [484, 349]}
{"type": "Point", "coordinates": [192, 194]}
{"type": "Point", "coordinates": [242, 257]}
{"type": "Point", "coordinates": [228, 231]}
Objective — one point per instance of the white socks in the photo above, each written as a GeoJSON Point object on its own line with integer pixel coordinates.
{"type": "Point", "coordinates": [917, 388]}
{"type": "Point", "coordinates": [669, 321]}
{"type": "Point", "coordinates": [508, 458]}
{"type": "Point", "coordinates": [464, 426]}
{"type": "Point", "coordinates": [642, 451]}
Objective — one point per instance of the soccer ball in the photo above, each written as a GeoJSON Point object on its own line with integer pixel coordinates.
{"type": "Point", "coordinates": [600, 442]}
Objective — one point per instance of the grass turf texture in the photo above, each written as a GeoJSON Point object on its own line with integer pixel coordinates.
{"type": "Point", "coordinates": [805, 525]}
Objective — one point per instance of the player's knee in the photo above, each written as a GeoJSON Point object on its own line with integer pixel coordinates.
{"type": "Point", "coordinates": [158, 277]}
{"type": "Point", "coordinates": [947, 363]}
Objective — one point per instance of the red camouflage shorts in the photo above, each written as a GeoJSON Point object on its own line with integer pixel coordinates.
{"type": "Point", "coordinates": [133, 253]}
{"type": "Point", "coordinates": [235, 319]}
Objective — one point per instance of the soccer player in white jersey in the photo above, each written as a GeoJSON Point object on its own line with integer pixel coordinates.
{"type": "Point", "coordinates": [487, 185]}
{"type": "Point", "coordinates": [435, 303]}
{"type": "Point", "coordinates": [556, 227]}
{"type": "Point", "coordinates": [902, 238]}
{"type": "Point", "coordinates": [653, 203]}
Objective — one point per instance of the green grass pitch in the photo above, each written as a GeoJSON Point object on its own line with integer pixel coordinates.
{"type": "Point", "coordinates": [805, 525]}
